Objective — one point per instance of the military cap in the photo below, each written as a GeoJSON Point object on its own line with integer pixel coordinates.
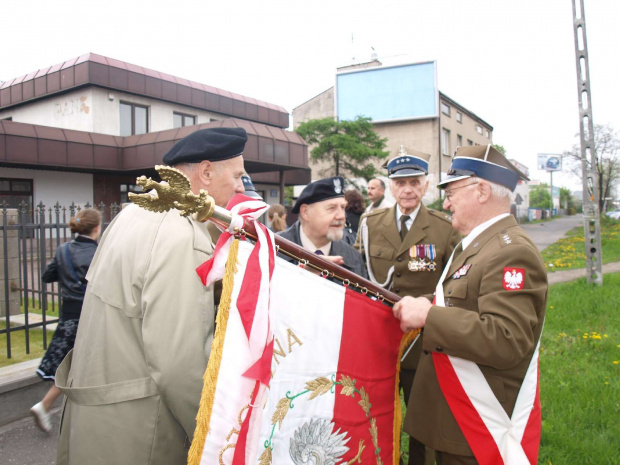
{"type": "Point", "coordinates": [318, 191]}
{"type": "Point", "coordinates": [483, 161]}
{"type": "Point", "coordinates": [407, 163]}
{"type": "Point", "coordinates": [214, 144]}
{"type": "Point", "coordinates": [250, 190]}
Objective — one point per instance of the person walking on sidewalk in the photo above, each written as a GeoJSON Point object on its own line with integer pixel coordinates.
{"type": "Point", "coordinates": [68, 268]}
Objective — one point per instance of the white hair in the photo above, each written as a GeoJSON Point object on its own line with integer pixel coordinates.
{"type": "Point", "coordinates": [187, 168]}
{"type": "Point", "coordinates": [499, 191]}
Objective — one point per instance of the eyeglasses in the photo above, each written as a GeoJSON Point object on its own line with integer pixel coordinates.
{"type": "Point", "coordinates": [449, 192]}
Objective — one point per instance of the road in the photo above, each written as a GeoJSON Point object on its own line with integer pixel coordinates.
{"type": "Point", "coordinates": [21, 442]}
{"type": "Point", "coordinates": [545, 234]}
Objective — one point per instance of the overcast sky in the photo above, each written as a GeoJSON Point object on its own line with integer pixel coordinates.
{"type": "Point", "coordinates": [510, 62]}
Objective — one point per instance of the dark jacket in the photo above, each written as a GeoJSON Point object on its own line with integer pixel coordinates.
{"type": "Point", "coordinates": [352, 258]}
{"type": "Point", "coordinates": [72, 283]}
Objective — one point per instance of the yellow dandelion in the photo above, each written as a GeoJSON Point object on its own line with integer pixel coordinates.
{"type": "Point", "coordinates": [605, 336]}
{"type": "Point", "coordinates": [616, 362]}
{"type": "Point", "coordinates": [585, 336]}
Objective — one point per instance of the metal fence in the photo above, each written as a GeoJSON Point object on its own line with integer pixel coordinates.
{"type": "Point", "coordinates": [28, 241]}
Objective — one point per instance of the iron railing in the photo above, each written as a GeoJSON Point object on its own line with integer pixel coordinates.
{"type": "Point", "coordinates": [39, 233]}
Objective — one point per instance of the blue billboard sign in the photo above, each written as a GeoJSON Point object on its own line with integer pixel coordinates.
{"type": "Point", "coordinates": [390, 93]}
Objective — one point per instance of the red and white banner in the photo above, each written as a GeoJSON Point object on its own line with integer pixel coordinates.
{"type": "Point", "coordinates": [332, 373]}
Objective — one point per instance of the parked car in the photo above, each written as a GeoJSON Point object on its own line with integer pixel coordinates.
{"type": "Point", "coordinates": [615, 214]}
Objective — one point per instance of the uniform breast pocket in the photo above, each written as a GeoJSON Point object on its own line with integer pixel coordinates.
{"type": "Point", "coordinates": [457, 289]}
{"type": "Point", "coordinates": [379, 252]}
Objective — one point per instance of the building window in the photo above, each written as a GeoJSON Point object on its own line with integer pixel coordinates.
{"type": "Point", "coordinates": [180, 119]}
{"type": "Point", "coordinates": [445, 109]}
{"type": "Point", "coordinates": [459, 117]}
{"type": "Point", "coordinates": [470, 142]}
{"type": "Point", "coordinates": [16, 192]}
{"type": "Point", "coordinates": [445, 141]}
{"type": "Point", "coordinates": [134, 119]}
{"type": "Point", "coordinates": [459, 140]}
{"type": "Point", "coordinates": [126, 189]}
{"type": "Point", "coordinates": [488, 134]}
{"type": "Point", "coordinates": [479, 129]}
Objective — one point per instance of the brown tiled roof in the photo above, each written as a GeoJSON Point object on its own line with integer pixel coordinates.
{"type": "Point", "coordinates": [92, 69]}
{"type": "Point", "coordinates": [268, 148]}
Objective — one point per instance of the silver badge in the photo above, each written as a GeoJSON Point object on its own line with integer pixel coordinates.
{"type": "Point", "coordinates": [337, 186]}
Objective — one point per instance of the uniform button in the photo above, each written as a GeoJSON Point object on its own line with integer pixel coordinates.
{"type": "Point", "coordinates": [399, 259]}
{"type": "Point", "coordinates": [425, 352]}
{"type": "Point", "coordinates": [439, 349]}
{"type": "Point", "coordinates": [398, 275]}
{"type": "Point", "coordinates": [450, 291]}
{"type": "Point", "coordinates": [397, 290]}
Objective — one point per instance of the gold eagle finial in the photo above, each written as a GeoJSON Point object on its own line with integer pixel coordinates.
{"type": "Point", "coordinates": [175, 193]}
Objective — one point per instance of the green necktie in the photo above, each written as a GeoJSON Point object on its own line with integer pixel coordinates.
{"type": "Point", "coordinates": [403, 226]}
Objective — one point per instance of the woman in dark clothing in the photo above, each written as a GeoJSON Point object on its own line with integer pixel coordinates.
{"type": "Point", "coordinates": [68, 268]}
{"type": "Point", "coordinates": [353, 211]}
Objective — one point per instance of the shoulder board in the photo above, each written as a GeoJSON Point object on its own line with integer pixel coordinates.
{"type": "Point", "coordinates": [376, 211]}
{"type": "Point", "coordinates": [511, 237]}
{"type": "Point", "coordinates": [440, 215]}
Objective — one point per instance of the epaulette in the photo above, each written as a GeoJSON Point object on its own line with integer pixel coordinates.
{"type": "Point", "coordinates": [440, 215]}
{"type": "Point", "coordinates": [375, 212]}
{"type": "Point", "coordinates": [506, 238]}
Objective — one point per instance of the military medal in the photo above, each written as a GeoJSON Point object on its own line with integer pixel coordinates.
{"type": "Point", "coordinates": [431, 253]}
{"type": "Point", "coordinates": [414, 264]}
{"type": "Point", "coordinates": [422, 263]}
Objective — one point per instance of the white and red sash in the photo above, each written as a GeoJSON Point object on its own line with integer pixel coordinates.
{"type": "Point", "coordinates": [493, 437]}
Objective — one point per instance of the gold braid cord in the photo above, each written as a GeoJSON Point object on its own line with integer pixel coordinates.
{"type": "Point", "coordinates": [175, 193]}
{"type": "Point", "coordinates": [203, 418]}
{"type": "Point", "coordinates": [405, 342]}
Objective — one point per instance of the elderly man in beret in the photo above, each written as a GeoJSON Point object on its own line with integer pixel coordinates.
{"type": "Point", "coordinates": [320, 227]}
{"type": "Point", "coordinates": [133, 381]}
{"type": "Point", "coordinates": [478, 375]}
{"type": "Point", "coordinates": [406, 248]}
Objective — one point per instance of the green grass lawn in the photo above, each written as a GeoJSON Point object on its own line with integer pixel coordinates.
{"type": "Point", "coordinates": [580, 374]}
{"type": "Point", "coordinates": [18, 346]}
{"type": "Point", "coordinates": [569, 252]}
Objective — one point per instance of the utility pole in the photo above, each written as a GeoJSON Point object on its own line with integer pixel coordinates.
{"type": "Point", "coordinates": [592, 223]}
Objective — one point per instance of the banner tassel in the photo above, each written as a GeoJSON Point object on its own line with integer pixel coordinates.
{"type": "Point", "coordinates": [203, 418]}
{"type": "Point", "coordinates": [405, 341]}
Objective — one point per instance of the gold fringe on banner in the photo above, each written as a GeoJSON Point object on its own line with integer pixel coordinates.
{"type": "Point", "coordinates": [405, 341]}
{"type": "Point", "coordinates": [203, 418]}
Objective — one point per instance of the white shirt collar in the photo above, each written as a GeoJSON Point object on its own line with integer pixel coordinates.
{"type": "Point", "coordinates": [480, 229]}
{"type": "Point", "coordinates": [412, 216]}
{"type": "Point", "coordinates": [307, 244]}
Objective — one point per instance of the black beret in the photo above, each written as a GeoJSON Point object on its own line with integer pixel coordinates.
{"type": "Point", "coordinates": [318, 191]}
{"type": "Point", "coordinates": [213, 144]}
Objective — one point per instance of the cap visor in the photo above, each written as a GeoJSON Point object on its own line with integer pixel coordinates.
{"type": "Point", "coordinates": [406, 173]}
{"type": "Point", "coordinates": [443, 184]}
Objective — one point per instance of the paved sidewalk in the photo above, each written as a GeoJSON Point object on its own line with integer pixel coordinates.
{"type": "Point", "coordinates": [571, 275]}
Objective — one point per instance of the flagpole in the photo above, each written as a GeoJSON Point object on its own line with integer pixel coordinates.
{"type": "Point", "coordinates": [175, 193]}
{"type": "Point", "coordinates": [328, 269]}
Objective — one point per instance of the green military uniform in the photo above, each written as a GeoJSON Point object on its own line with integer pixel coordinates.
{"type": "Point", "coordinates": [484, 321]}
{"type": "Point", "coordinates": [382, 247]}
